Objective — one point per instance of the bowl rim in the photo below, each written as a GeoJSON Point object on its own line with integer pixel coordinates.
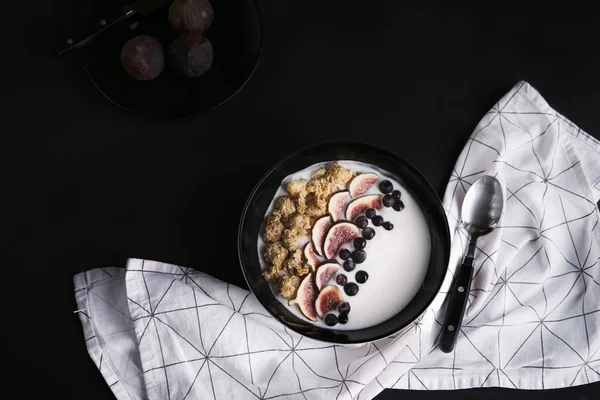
{"type": "Point", "coordinates": [305, 149]}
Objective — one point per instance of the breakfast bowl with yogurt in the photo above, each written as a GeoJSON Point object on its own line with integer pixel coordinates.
{"type": "Point", "coordinates": [344, 242]}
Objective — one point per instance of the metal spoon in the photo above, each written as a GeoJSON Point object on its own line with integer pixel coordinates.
{"type": "Point", "coordinates": [481, 211]}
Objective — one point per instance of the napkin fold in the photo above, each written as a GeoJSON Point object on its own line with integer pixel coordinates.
{"type": "Point", "coordinates": [162, 331]}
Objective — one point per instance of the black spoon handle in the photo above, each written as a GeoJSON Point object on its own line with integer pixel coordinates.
{"type": "Point", "coordinates": [90, 33]}
{"type": "Point", "coordinates": [456, 304]}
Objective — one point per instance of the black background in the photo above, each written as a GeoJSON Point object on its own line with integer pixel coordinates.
{"type": "Point", "coordinates": [89, 185]}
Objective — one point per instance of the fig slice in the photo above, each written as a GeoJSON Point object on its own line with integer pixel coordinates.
{"type": "Point", "coordinates": [305, 298]}
{"type": "Point", "coordinates": [311, 257]}
{"type": "Point", "coordinates": [325, 272]}
{"type": "Point", "coordinates": [336, 204]}
{"type": "Point", "coordinates": [338, 234]}
{"type": "Point", "coordinates": [361, 183]}
{"type": "Point", "coordinates": [329, 299]}
{"type": "Point", "coordinates": [319, 230]}
{"type": "Point", "coordinates": [360, 204]}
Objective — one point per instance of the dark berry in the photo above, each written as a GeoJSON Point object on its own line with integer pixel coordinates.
{"type": "Point", "coordinates": [387, 200]}
{"type": "Point", "coordinates": [341, 279]}
{"type": "Point", "coordinates": [345, 254]}
{"type": "Point", "coordinates": [361, 276]}
{"type": "Point", "coordinates": [331, 319]}
{"type": "Point", "coordinates": [377, 220]}
{"type": "Point", "coordinates": [398, 206]}
{"type": "Point", "coordinates": [370, 213]}
{"type": "Point", "coordinates": [344, 307]}
{"type": "Point", "coordinates": [396, 195]}
{"type": "Point", "coordinates": [388, 226]}
{"type": "Point", "coordinates": [343, 318]}
{"type": "Point", "coordinates": [368, 233]}
{"type": "Point", "coordinates": [349, 265]}
{"type": "Point", "coordinates": [386, 187]}
{"type": "Point", "coordinates": [361, 221]}
{"type": "Point", "coordinates": [359, 243]}
{"type": "Point", "coordinates": [359, 256]}
{"type": "Point", "coordinates": [351, 289]}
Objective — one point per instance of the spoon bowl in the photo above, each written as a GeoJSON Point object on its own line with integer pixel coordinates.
{"type": "Point", "coordinates": [482, 206]}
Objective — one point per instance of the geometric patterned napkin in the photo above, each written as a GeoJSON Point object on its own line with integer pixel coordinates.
{"type": "Point", "coordinates": [162, 331]}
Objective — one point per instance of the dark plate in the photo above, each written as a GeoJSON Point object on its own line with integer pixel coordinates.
{"type": "Point", "coordinates": [262, 195]}
{"type": "Point", "coordinates": [236, 37]}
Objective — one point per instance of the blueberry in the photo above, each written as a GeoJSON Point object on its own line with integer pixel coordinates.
{"type": "Point", "coordinates": [396, 195]}
{"type": "Point", "coordinates": [361, 221]}
{"type": "Point", "coordinates": [361, 276]}
{"type": "Point", "coordinates": [344, 307]}
{"type": "Point", "coordinates": [388, 226]}
{"type": "Point", "coordinates": [370, 213]}
{"type": "Point", "coordinates": [377, 220]}
{"type": "Point", "coordinates": [368, 233]}
{"type": "Point", "coordinates": [349, 265]}
{"type": "Point", "coordinates": [359, 243]}
{"type": "Point", "coordinates": [351, 289]}
{"type": "Point", "coordinates": [359, 256]}
{"type": "Point", "coordinates": [398, 206]}
{"type": "Point", "coordinates": [343, 318]}
{"type": "Point", "coordinates": [345, 254]}
{"type": "Point", "coordinates": [386, 187]}
{"type": "Point", "coordinates": [341, 279]}
{"type": "Point", "coordinates": [387, 200]}
{"type": "Point", "coordinates": [331, 319]}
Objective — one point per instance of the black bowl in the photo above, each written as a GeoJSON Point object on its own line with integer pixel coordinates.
{"type": "Point", "coordinates": [236, 38]}
{"type": "Point", "coordinates": [262, 195]}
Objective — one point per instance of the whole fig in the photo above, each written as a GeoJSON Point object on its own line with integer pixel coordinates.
{"type": "Point", "coordinates": [191, 54]}
{"type": "Point", "coordinates": [190, 15]}
{"type": "Point", "coordinates": [143, 58]}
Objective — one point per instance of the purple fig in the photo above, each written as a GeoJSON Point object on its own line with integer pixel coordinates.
{"type": "Point", "coordinates": [319, 230]}
{"type": "Point", "coordinates": [143, 58]}
{"type": "Point", "coordinates": [338, 234]}
{"type": "Point", "coordinates": [191, 54]}
{"type": "Point", "coordinates": [305, 298]}
{"type": "Point", "coordinates": [336, 204]}
{"type": "Point", "coordinates": [361, 183]}
{"type": "Point", "coordinates": [311, 257]}
{"type": "Point", "coordinates": [325, 272]}
{"type": "Point", "coordinates": [329, 300]}
{"type": "Point", "coordinates": [190, 15]}
{"type": "Point", "coordinates": [361, 204]}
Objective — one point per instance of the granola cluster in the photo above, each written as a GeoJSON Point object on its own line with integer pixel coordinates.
{"type": "Point", "coordinates": [292, 218]}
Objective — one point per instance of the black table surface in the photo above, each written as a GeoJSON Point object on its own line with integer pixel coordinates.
{"type": "Point", "coordinates": [92, 185]}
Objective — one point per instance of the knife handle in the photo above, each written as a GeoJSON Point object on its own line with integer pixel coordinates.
{"type": "Point", "coordinates": [456, 305]}
{"type": "Point", "coordinates": [91, 31]}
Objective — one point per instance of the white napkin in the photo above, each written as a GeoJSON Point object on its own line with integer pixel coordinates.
{"type": "Point", "coordinates": [161, 331]}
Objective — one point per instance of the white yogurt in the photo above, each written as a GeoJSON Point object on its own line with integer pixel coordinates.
{"type": "Point", "coordinates": [396, 261]}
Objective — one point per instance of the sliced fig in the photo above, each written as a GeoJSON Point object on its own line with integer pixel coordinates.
{"type": "Point", "coordinates": [360, 204]}
{"type": "Point", "coordinates": [319, 230]}
{"type": "Point", "coordinates": [329, 299]}
{"type": "Point", "coordinates": [325, 272]}
{"type": "Point", "coordinates": [361, 183]}
{"type": "Point", "coordinates": [311, 257]}
{"type": "Point", "coordinates": [305, 298]}
{"type": "Point", "coordinates": [336, 205]}
{"type": "Point", "coordinates": [337, 235]}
